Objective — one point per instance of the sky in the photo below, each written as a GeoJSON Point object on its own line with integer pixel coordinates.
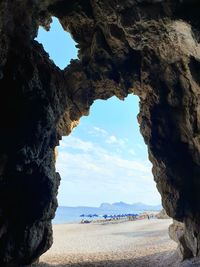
{"type": "Point", "coordinates": [105, 158]}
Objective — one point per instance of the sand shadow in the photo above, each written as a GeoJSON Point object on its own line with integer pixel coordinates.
{"type": "Point", "coordinates": [164, 259]}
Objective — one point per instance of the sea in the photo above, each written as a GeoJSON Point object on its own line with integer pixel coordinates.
{"type": "Point", "coordinates": [73, 214]}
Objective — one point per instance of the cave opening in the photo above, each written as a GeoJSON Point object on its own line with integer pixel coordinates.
{"type": "Point", "coordinates": [108, 158]}
{"type": "Point", "coordinates": [58, 44]}
{"type": "Point", "coordinates": [130, 148]}
{"type": "Point", "coordinates": [104, 169]}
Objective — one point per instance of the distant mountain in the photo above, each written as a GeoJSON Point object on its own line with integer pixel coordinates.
{"type": "Point", "coordinates": [125, 206]}
{"type": "Point", "coordinates": [105, 206]}
{"type": "Point", "coordinates": [121, 204]}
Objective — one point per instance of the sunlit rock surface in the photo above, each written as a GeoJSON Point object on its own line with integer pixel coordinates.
{"type": "Point", "coordinates": [149, 48]}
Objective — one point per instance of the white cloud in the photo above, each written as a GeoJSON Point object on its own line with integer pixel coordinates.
{"type": "Point", "coordinates": [111, 139]}
{"type": "Point", "coordinates": [97, 131]}
{"type": "Point", "coordinates": [77, 143]}
{"type": "Point", "coordinates": [100, 130]}
{"type": "Point", "coordinates": [116, 141]}
{"type": "Point", "coordinates": [87, 165]}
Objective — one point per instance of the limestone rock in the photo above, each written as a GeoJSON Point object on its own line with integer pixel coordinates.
{"type": "Point", "coordinates": [176, 233]}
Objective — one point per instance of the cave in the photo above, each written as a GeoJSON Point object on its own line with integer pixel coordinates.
{"type": "Point", "coordinates": [146, 47]}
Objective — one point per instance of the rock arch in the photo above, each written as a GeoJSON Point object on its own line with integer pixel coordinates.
{"type": "Point", "coordinates": [147, 47]}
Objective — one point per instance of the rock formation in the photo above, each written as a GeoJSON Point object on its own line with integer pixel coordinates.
{"type": "Point", "coordinates": [162, 215]}
{"type": "Point", "coordinates": [177, 233]}
{"type": "Point", "coordinates": [146, 47]}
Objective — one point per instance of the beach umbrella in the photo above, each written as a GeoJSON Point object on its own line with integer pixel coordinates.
{"type": "Point", "coordinates": [82, 215]}
{"type": "Point", "coordinates": [105, 216]}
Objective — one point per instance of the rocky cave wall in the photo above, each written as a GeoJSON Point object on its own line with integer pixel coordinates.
{"type": "Point", "coordinates": [146, 47]}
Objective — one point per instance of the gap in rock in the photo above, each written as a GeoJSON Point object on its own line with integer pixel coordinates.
{"type": "Point", "coordinates": [105, 159]}
{"type": "Point", "coordinates": [58, 43]}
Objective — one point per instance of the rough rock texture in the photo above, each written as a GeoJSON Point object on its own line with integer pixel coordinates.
{"type": "Point", "coordinates": [146, 47]}
{"type": "Point", "coordinates": [176, 233]}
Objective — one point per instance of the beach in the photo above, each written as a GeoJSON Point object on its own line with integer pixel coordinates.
{"type": "Point", "coordinates": [132, 243]}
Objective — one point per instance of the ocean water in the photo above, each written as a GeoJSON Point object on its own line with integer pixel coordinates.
{"type": "Point", "coordinates": [67, 215]}
{"type": "Point", "coordinates": [72, 214]}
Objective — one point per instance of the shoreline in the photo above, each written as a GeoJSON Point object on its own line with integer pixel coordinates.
{"type": "Point", "coordinates": [140, 216]}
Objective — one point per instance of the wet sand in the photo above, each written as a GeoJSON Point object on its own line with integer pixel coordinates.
{"type": "Point", "coordinates": [135, 243]}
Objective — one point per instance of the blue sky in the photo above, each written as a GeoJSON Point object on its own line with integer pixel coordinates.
{"type": "Point", "coordinates": [105, 158]}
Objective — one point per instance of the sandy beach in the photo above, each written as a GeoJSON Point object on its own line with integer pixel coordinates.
{"type": "Point", "coordinates": [135, 243]}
